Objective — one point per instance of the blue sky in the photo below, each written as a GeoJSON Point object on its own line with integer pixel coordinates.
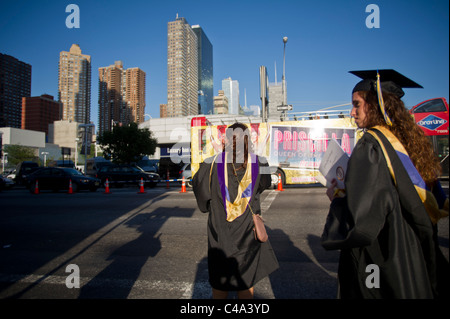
{"type": "Point", "coordinates": [326, 40]}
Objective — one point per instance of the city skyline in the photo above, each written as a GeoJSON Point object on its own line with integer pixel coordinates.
{"type": "Point", "coordinates": [326, 40]}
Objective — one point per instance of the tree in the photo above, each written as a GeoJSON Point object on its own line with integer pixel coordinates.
{"type": "Point", "coordinates": [19, 153]}
{"type": "Point", "coordinates": [127, 144]}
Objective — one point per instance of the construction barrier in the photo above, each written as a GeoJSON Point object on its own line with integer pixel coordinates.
{"type": "Point", "coordinates": [151, 181]}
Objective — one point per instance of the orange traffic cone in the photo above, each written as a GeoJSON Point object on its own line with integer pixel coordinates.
{"type": "Point", "coordinates": [280, 184]}
{"type": "Point", "coordinates": [183, 186]}
{"type": "Point", "coordinates": [70, 187]}
{"type": "Point", "coordinates": [36, 188]}
{"type": "Point", "coordinates": [141, 186]}
{"type": "Point", "coordinates": [107, 187]}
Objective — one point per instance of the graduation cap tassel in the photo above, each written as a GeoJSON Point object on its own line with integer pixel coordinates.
{"type": "Point", "coordinates": [381, 101]}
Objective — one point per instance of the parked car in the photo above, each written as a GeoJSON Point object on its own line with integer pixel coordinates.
{"type": "Point", "coordinates": [93, 165]}
{"type": "Point", "coordinates": [187, 174]}
{"type": "Point", "coordinates": [58, 178]}
{"type": "Point", "coordinates": [24, 169]}
{"type": "Point", "coordinates": [5, 183]}
{"type": "Point", "coordinates": [120, 175]}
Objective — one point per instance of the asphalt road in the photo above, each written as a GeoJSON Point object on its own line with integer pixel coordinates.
{"type": "Point", "coordinates": [127, 245]}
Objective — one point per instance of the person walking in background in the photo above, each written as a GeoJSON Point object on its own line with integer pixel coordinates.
{"type": "Point", "coordinates": [386, 224]}
{"type": "Point", "coordinates": [228, 186]}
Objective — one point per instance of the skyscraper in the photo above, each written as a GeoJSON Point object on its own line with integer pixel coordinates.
{"type": "Point", "coordinates": [182, 69]}
{"type": "Point", "coordinates": [231, 90]}
{"type": "Point", "coordinates": [135, 94]}
{"type": "Point", "coordinates": [15, 83]}
{"type": "Point", "coordinates": [121, 96]}
{"type": "Point", "coordinates": [110, 96]}
{"type": "Point", "coordinates": [74, 85]}
{"type": "Point", "coordinates": [205, 72]}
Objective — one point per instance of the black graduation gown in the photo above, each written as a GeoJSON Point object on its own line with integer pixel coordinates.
{"type": "Point", "coordinates": [377, 223]}
{"type": "Point", "coordinates": [236, 261]}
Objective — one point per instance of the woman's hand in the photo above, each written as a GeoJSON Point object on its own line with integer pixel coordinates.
{"type": "Point", "coordinates": [331, 189]}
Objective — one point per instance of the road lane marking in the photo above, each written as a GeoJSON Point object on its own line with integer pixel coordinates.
{"type": "Point", "coordinates": [186, 289]}
{"type": "Point", "coordinates": [265, 205]}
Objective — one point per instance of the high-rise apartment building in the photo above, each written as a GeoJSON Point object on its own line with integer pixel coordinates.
{"type": "Point", "coordinates": [74, 88]}
{"type": "Point", "coordinates": [135, 94]}
{"type": "Point", "coordinates": [205, 71]}
{"type": "Point", "coordinates": [231, 90]}
{"type": "Point", "coordinates": [182, 69]}
{"type": "Point", "coordinates": [110, 96]}
{"type": "Point", "coordinates": [15, 83]}
{"type": "Point", "coordinates": [40, 111]}
{"type": "Point", "coordinates": [121, 96]}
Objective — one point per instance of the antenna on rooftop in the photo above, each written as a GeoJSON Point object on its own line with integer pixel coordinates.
{"type": "Point", "coordinates": [275, 72]}
{"type": "Point", "coordinates": [245, 94]}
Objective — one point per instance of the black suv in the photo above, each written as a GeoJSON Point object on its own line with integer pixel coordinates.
{"type": "Point", "coordinates": [120, 175]}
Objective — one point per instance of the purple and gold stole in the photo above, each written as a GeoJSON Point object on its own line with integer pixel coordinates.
{"type": "Point", "coordinates": [245, 190]}
{"type": "Point", "coordinates": [435, 210]}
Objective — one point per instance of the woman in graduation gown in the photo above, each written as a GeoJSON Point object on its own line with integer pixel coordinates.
{"type": "Point", "coordinates": [228, 187]}
{"type": "Point", "coordinates": [385, 224]}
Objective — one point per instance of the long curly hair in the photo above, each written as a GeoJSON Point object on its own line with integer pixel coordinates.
{"type": "Point", "coordinates": [237, 143]}
{"type": "Point", "coordinates": [404, 127]}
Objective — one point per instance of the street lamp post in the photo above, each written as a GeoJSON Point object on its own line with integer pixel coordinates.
{"type": "Point", "coordinates": [283, 80]}
{"type": "Point", "coordinates": [5, 155]}
{"type": "Point", "coordinates": [76, 151]}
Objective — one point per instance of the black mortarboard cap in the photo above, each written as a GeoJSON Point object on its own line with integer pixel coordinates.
{"type": "Point", "coordinates": [391, 81]}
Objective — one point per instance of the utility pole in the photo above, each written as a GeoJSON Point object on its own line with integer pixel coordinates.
{"type": "Point", "coordinates": [284, 106]}
{"type": "Point", "coordinates": [283, 79]}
